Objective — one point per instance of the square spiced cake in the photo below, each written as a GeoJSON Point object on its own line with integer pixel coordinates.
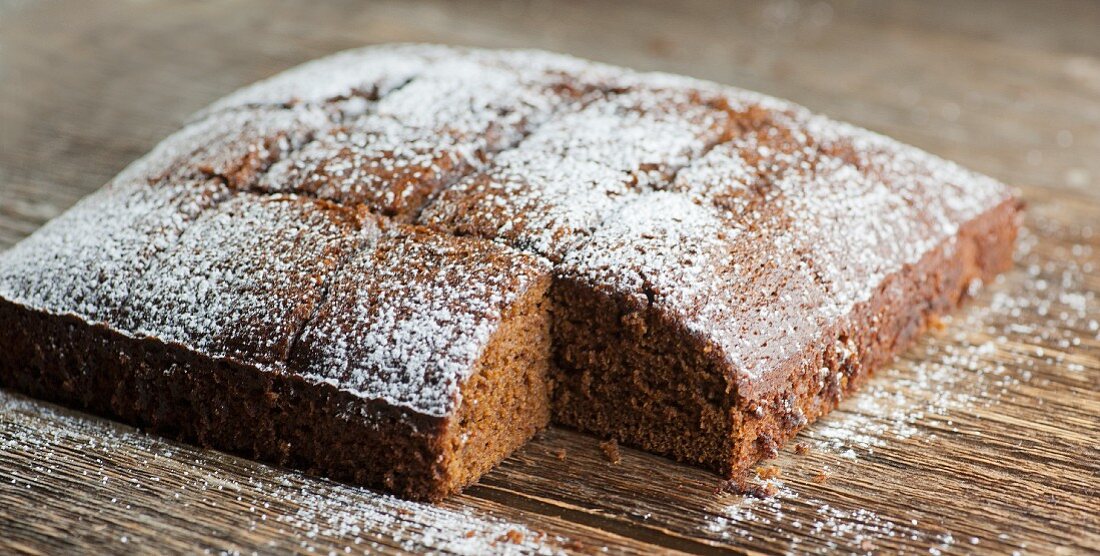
{"type": "Point", "coordinates": [394, 265]}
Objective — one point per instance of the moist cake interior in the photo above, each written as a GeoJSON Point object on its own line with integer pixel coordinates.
{"type": "Point", "coordinates": [507, 400]}
{"type": "Point", "coordinates": [627, 372]}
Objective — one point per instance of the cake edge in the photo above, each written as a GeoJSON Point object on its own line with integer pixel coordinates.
{"type": "Point", "coordinates": [875, 332]}
{"type": "Point", "coordinates": [269, 413]}
{"type": "Point", "coordinates": [750, 420]}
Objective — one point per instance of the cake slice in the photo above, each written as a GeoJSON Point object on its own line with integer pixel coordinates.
{"type": "Point", "coordinates": [394, 265]}
{"type": "Point", "coordinates": [416, 344]}
{"type": "Point", "coordinates": [84, 261]}
{"type": "Point", "coordinates": [446, 340]}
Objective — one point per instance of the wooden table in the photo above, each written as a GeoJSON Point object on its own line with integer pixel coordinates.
{"type": "Point", "coordinates": [983, 438]}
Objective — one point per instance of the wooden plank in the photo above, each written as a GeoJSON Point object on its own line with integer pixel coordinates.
{"type": "Point", "coordinates": [980, 439]}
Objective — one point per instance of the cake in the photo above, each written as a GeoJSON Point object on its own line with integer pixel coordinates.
{"type": "Point", "coordinates": [394, 265]}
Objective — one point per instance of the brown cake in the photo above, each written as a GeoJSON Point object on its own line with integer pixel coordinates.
{"type": "Point", "coordinates": [394, 265]}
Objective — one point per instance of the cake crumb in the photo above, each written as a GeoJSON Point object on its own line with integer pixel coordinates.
{"type": "Point", "coordinates": [611, 451]}
{"type": "Point", "coordinates": [801, 449]}
{"type": "Point", "coordinates": [575, 546]}
{"type": "Point", "coordinates": [744, 486]}
{"type": "Point", "coordinates": [513, 536]}
{"type": "Point", "coordinates": [936, 324]}
{"type": "Point", "coordinates": [560, 454]}
{"type": "Point", "coordinates": [768, 472]}
{"type": "Point", "coordinates": [821, 477]}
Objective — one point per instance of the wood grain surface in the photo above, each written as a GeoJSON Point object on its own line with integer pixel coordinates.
{"type": "Point", "coordinates": [984, 438]}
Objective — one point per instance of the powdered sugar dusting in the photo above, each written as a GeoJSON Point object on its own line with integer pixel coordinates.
{"type": "Point", "coordinates": [561, 182]}
{"type": "Point", "coordinates": [659, 249]}
{"type": "Point", "coordinates": [978, 362]}
{"type": "Point", "coordinates": [368, 72]}
{"type": "Point", "coordinates": [829, 529]}
{"type": "Point", "coordinates": [244, 277]}
{"type": "Point", "coordinates": [406, 320]}
{"type": "Point", "coordinates": [235, 146]}
{"type": "Point", "coordinates": [86, 261]}
{"type": "Point", "coordinates": [299, 513]}
{"type": "Point", "coordinates": [934, 398]}
{"type": "Point", "coordinates": [834, 209]}
{"type": "Point", "coordinates": [420, 139]}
